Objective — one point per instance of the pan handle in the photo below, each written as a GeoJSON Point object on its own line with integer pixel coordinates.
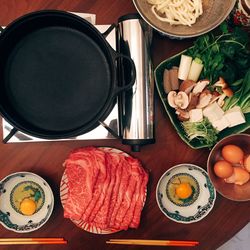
{"type": "Point", "coordinates": [130, 84]}
{"type": "Point", "coordinates": [110, 28]}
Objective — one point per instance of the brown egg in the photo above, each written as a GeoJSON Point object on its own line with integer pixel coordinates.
{"type": "Point", "coordinates": [246, 163]}
{"type": "Point", "coordinates": [230, 179]}
{"type": "Point", "coordinates": [232, 153]}
{"type": "Point", "coordinates": [223, 169]}
{"type": "Point", "coordinates": [239, 177]}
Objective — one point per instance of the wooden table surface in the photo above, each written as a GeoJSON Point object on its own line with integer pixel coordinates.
{"type": "Point", "coordinates": [45, 159]}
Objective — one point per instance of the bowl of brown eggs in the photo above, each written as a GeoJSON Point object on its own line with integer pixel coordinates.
{"type": "Point", "coordinates": [228, 167]}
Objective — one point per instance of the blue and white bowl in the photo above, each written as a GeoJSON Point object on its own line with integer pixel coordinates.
{"type": "Point", "coordinates": [192, 209]}
{"type": "Point", "coordinates": [20, 184]}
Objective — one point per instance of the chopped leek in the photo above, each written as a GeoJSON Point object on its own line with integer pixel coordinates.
{"type": "Point", "coordinates": [184, 67]}
{"type": "Point", "coordinates": [195, 70]}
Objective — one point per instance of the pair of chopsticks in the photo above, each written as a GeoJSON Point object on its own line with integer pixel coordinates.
{"type": "Point", "coordinates": [179, 243]}
{"type": "Point", "coordinates": [31, 241]}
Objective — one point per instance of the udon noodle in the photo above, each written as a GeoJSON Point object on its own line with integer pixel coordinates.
{"type": "Point", "coordinates": [176, 12]}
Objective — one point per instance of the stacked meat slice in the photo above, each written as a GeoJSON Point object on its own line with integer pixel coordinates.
{"type": "Point", "coordinates": [106, 188]}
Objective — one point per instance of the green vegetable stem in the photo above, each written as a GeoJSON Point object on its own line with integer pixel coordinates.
{"type": "Point", "coordinates": [202, 131]}
{"type": "Point", "coordinates": [242, 96]}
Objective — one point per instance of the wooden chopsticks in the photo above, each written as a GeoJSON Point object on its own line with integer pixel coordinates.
{"type": "Point", "coordinates": [142, 242]}
{"type": "Point", "coordinates": [31, 241]}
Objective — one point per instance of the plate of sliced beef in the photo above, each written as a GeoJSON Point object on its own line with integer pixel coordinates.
{"type": "Point", "coordinates": [103, 190]}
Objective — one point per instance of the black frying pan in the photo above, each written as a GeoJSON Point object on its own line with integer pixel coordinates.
{"type": "Point", "coordinates": [58, 75]}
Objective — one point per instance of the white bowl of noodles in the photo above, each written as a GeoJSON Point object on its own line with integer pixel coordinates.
{"type": "Point", "coordinates": [184, 18]}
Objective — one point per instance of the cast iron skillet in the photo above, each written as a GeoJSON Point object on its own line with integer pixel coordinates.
{"type": "Point", "coordinates": [58, 76]}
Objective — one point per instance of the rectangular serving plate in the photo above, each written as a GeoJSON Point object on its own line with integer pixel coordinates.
{"type": "Point", "coordinates": [195, 143]}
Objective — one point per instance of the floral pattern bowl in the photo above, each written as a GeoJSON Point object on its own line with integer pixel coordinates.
{"type": "Point", "coordinates": [195, 207]}
{"type": "Point", "coordinates": [20, 186]}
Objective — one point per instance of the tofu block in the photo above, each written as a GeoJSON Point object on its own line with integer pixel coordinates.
{"type": "Point", "coordinates": [234, 116]}
{"type": "Point", "coordinates": [220, 124]}
{"type": "Point", "coordinates": [195, 115]}
{"type": "Point", "coordinates": [213, 112]}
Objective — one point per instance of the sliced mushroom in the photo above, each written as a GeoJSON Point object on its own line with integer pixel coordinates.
{"type": "Point", "coordinates": [215, 96]}
{"type": "Point", "coordinates": [182, 115]}
{"type": "Point", "coordinates": [204, 99]}
{"type": "Point", "coordinates": [227, 92]}
{"type": "Point", "coordinates": [221, 83]}
{"type": "Point", "coordinates": [221, 100]}
{"type": "Point", "coordinates": [174, 78]}
{"type": "Point", "coordinates": [215, 93]}
{"type": "Point", "coordinates": [200, 86]}
{"type": "Point", "coordinates": [171, 99]}
{"type": "Point", "coordinates": [214, 99]}
{"type": "Point", "coordinates": [193, 101]}
{"type": "Point", "coordinates": [181, 100]}
{"type": "Point", "coordinates": [187, 86]}
{"type": "Point", "coordinates": [166, 81]}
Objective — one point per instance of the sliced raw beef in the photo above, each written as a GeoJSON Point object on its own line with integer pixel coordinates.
{"type": "Point", "coordinates": [82, 178]}
{"type": "Point", "coordinates": [122, 189]}
{"type": "Point", "coordinates": [74, 205]}
{"type": "Point", "coordinates": [106, 189]}
{"type": "Point", "coordinates": [101, 218]}
{"type": "Point", "coordinates": [113, 199]}
{"type": "Point", "coordinates": [98, 189]}
{"type": "Point", "coordinates": [128, 216]}
{"type": "Point", "coordinates": [140, 202]}
{"type": "Point", "coordinates": [135, 177]}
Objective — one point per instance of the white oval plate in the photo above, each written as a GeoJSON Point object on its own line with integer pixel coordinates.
{"type": "Point", "coordinates": [13, 220]}
{"type": "Point", "coordinates": [197, 210]}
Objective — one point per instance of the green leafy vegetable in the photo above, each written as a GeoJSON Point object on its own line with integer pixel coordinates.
{"type": "Point", "coordinates": [242, 96]}
{"type": "Point", "coordinates": [202, 131]}
{"type": "Point", "coordinates": [225, 55]}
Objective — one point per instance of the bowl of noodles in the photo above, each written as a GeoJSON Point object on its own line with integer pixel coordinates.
{"type": "Point", "coordinates": [184, 18]}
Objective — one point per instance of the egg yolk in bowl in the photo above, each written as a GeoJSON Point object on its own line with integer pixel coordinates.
{"type": "Point", "coordinates": [28, 206]}
{"type": "Point", "coordinates": [183, 190]}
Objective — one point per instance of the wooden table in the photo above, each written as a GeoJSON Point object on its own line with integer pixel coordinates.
{"type": "Point", "coordinates": [45, 159]}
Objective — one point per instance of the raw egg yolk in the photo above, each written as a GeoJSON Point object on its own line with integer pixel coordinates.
{"type": "Point", "coordinates": [232, 153]}
{"type": "Point", "coordinates": [223, 169]}
{"type": "Point", "coordinates": [183, 191]}
{"type": "Point", "coordinates": [27, 206]}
